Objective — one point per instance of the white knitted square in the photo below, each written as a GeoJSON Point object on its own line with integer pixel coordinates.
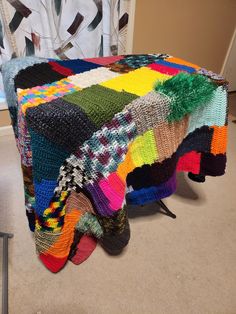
{"type": "Point", "coordinates": [92, 77]}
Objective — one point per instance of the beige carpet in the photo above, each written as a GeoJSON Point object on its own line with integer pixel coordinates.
{"type": "Point", "coordinates": [187, 265]}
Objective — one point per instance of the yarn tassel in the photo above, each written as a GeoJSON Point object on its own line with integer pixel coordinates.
{"type": "Point", "coordinates": [187, 92]}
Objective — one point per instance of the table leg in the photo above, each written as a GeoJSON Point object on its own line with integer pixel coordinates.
{"type": "Point", "coordinates": [166, 209]}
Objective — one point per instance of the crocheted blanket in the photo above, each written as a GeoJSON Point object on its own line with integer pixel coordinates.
{"type": "Point", "coordinates": [94, 134]}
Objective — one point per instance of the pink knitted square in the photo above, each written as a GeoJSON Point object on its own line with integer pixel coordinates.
{"type": "Point", "coordinates": [105, 60]}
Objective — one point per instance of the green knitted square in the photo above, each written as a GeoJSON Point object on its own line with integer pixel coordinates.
{"type": "Point", "coordinates": [100, 103]}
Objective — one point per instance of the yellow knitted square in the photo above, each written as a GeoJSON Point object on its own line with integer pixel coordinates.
{"type": "Point", "coordinates": [143, 149]}
{"type": "Point", "coordinates": [138, 82]}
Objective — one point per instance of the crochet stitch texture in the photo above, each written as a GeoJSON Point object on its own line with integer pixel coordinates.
{"type": "Point", "coordinates": [96, 133]}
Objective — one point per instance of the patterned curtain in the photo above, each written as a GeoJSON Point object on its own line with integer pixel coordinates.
{"type": "Point", "coordinates": [63, 29]}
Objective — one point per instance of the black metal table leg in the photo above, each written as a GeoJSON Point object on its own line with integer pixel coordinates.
{"type": "Point", "coordinates": [166, 209]}
{"type": "Point", "coordinates": [5, 237]}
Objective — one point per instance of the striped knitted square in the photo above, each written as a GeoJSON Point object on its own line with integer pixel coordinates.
{"type": "Point", "coordinates": [41, 94]}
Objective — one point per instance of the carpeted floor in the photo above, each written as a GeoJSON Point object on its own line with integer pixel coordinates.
{"type": "Point", "coordinates": [181, 266]}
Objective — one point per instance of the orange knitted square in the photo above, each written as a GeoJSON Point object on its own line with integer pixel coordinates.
{"type": "Point", "coordinates": [219, 139]}
{"type": "Point", "coordinates": [183, 62]}
{"type": "Point", "coordinates": [126, 166]}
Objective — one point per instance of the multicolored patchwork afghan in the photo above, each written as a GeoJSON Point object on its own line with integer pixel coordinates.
{"type": "Point", "coordinates": [96, 133]}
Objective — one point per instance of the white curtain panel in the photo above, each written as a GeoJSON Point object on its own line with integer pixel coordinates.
{"type": "Point", "coordinates": [63, 29]}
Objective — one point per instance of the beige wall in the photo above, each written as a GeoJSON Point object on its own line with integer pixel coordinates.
{"type": "Point", "coordinates": [197, 30]}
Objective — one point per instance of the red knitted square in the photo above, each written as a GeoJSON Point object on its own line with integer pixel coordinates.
{"type": "Point", "coordinates": [164, 69]}
{"type": "Point", "coordinates": [190, 162]}
{"type": "Point", "coordinates": [60, 69]}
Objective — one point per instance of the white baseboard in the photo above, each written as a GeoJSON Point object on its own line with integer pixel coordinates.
{"type": "Point", "coordinates": [6, 130]}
